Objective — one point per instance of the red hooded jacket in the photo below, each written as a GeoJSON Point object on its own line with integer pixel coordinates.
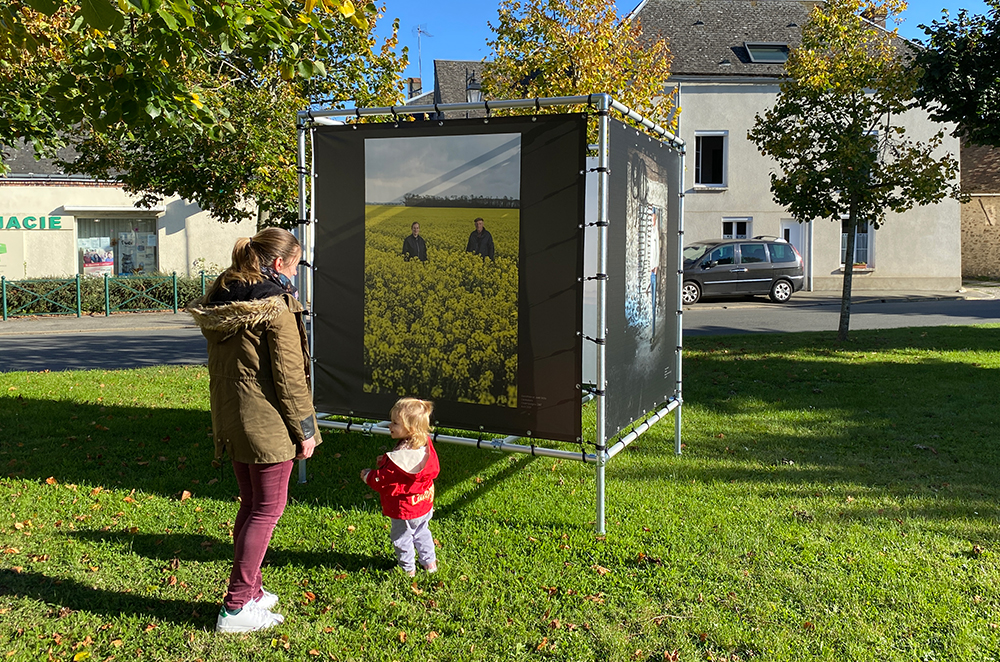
{"type": "Point", "coordinates": [404, 480]}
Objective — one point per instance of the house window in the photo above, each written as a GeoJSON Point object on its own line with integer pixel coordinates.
{"type": "Point", "coordinates": [767, 52]}
{"type": "Point", "coordinates": [863, 244]}
{"type": "Point", "coordinates": [710, 158]}
{"type": "Point", "coordinates": [736, 228]}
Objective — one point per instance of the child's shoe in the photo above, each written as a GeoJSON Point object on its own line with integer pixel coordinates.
{"type": "Point", "coordinates": [249, 619]}
{"type": "Point", "coordinates": [432, 568]}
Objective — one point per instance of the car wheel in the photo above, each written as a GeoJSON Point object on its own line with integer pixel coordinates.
{"type": "Point", "coordinates": [690, 293]}
{"type": "Point", "coordinates": [781, 291]}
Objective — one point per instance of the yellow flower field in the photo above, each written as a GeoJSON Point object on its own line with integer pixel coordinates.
{"type": "Point", "coordinates": [445, 328]}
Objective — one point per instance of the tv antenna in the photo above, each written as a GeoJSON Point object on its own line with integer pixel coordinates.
{"type": "Point", "coordinates": [418, 30]}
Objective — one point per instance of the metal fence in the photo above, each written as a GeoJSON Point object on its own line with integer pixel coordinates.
{"type": "Point", "coordinates": [108, 294]}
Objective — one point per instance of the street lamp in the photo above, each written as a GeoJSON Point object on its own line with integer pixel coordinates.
{"type": "Point", "coordinates": [473, 90]}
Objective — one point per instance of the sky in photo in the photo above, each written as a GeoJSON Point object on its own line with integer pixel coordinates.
{"type": "Point", "coordinates": [444, 166]}
{"type": "Point", "coordinates": [460, 27]}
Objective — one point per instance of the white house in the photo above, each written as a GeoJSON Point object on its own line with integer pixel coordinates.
{"type": "Point", "coordinates": [728, 63]}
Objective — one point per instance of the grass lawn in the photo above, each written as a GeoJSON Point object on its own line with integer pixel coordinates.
{"type": "Point", "coordinates": [835, 502]}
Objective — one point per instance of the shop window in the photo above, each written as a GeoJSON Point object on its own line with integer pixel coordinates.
{"type": "Point", "coordinates": [117, 246]}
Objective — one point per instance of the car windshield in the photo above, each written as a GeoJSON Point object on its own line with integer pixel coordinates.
{"type": "Point", "coordinates": [693, 253]}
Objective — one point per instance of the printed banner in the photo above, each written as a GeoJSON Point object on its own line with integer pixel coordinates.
{"type": "Point", "coordinates": [447, 265]}
{"type": "Point", "coordinates": [643, 205]}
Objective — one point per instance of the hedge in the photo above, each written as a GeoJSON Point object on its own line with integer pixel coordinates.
{"type": "Point", "coordinates": [58, 296]}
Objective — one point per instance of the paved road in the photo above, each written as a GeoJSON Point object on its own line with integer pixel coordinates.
{"type": "Point", "coordinates": [99, 343]}
{"type": "Point", "coordinates": [761, 316]}
{"type": "Point", "coordinates": [146, 339]}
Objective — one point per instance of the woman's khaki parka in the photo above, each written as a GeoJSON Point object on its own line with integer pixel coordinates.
{"type": "Point", "coordinates": [258, 361]}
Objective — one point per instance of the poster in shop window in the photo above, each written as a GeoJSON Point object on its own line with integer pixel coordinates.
{"type": "Point", "coordinates": [98, 256]}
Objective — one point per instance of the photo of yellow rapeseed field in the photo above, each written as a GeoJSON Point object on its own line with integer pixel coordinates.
{"type": "Point", "coordinates": [441, 267]}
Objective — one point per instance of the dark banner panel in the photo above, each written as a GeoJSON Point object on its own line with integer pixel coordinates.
{"type": "Point", "coordinates": [644, 215]}
{"type": "Point", "coordinates": [448, 259]}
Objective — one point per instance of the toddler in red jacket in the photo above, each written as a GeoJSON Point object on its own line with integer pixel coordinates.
{"type": "Point", "coordinates": [404, 479]}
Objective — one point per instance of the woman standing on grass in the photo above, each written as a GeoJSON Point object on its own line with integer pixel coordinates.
{"type": "Point", "coordinates": [262, 412]}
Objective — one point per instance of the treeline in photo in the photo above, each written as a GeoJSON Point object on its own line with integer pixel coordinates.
{"type": "Point", "coordinates": [465, 201]}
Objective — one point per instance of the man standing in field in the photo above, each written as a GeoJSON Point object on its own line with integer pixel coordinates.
{"type": "Point", "coordinates": [480, 241]}
{"type": "Point", "coordinates": [414, 245]}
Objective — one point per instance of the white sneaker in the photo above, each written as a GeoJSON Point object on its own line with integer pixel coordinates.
{"type": "Point", "coordinates": [266, 601]}
{"type": "Point", "coordinates": [249, 619]}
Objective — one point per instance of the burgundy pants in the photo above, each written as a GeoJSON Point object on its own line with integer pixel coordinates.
{"type": "Point", "coordinates": [263, 495]}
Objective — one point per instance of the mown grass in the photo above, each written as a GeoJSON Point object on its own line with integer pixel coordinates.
{"type": "Point", "coordinates": [834, 502]}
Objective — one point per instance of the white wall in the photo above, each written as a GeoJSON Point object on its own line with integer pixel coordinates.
{"type": "Point", "coordinates": [917, 250]}
{"type": "Point", "coordinates": [184, 232]}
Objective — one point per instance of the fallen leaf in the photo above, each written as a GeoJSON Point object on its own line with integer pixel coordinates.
{"type": "Point", "coordinates": [185, 495]}
{"type": "Point", "coordinates": [96, 491]}
{"type": "Point", "coordinates": [601, 570]}
{"type": "Point", "coordinates": [328, 630]}
{"type": "Point", "coordinates": [12, 550]}
{"type": "Point", "coordinates": [808, 626]}
{"type": "Point", "coordinates": [171, 580]}
{"type": "Point", "coordinates": [117, 643]}
{"type": "Point", "coordinates": [555, 624]}
{"type": "Point", "coordinates": [402, 637]}
{"type": "Point", "coordinates": [128, 499]}
{"type": "Point", "coordinates": [351, 529]}
{"type": "Point", "coordinates": [314, 652]}
{"type": "Point", "coordinates": [51, 481]}
{"type": "Point", "coordinates": [309, 596]}
{"type": "Point", "coordinates": [150, 626]}
{"type": "Point", "coordinates": [342, 575]}
{"type": "Point", "coordinates": [213, 481]}
{"type": "Point", "coordinates": [431, 636]}
{"type": "Point", "coordinates": [82, 655]}
{"type": "Point", "coordinates": [541, 646]}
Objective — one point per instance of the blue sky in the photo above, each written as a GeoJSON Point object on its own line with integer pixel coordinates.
{"type": "Point", "coordinates": [460, 30]}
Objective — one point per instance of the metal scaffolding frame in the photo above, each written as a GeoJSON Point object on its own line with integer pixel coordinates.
{"type": "Point", "coordinates": [307, 120]}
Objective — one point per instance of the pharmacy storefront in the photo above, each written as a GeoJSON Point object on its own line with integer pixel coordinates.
{"type": "Point", "coordinates": [60, 230]}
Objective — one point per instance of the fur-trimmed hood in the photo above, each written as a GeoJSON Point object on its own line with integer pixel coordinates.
{"type": "Point", "coordinates": [232, 316]}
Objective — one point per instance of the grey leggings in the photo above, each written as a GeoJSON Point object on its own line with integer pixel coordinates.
{"type": "Point", "coordinates": [409, 533]}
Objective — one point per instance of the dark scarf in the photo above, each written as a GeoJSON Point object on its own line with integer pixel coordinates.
{"type": "Point", "coordinates": [279, 279]}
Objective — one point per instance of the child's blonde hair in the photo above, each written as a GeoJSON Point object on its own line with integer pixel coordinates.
{"type": "Point", "coordinates": [414, 416]}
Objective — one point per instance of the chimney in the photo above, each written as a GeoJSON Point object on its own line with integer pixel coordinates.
{"type": "Point", "coordinates": [414, 87]}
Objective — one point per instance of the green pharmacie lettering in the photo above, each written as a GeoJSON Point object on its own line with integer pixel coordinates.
{"type": "Point", "coordinates": [31, 223]}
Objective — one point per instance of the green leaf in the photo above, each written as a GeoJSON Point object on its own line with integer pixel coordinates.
{"type": "Point", "coordinates": [102, 15]}
{"type": "Point", "coordinates": [168, 18]}
{"type": "Point", "coordinates": [305, 69]}
{"type": "Point", "coordinates": [184, 11]}
{"type": "Point", "coordinates": [319, 69]}
{"type": "Point", "coordinates": [153, 111]}
{"type": "Point", "coordinates": [48, 7]}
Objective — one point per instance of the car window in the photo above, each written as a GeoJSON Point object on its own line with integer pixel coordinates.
{"type": "Point", "coordinates": [723, 255]}
{"type": "Point", "coordinates": [750, 253]}
{"type": "Point", "coordinates": [692, 253]}
{"type": "Point", "coordinates": [782, 252]}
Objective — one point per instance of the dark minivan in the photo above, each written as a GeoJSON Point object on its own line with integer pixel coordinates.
{"type": "Point", "coordinates": [734, 267]}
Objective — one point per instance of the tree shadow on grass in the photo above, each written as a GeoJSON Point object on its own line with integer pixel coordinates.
{"type": "Point", "coordinates": [73, 595]}
{"type": "Point", "coordinates": [192, 547]}
{"type": "Point", "coordinates": [915, 426]}
{"type": "Point", "coordinates": [165, 451]}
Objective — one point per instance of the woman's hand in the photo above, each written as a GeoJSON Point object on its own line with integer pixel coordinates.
{"type": "Point", "coordinates": [307, 448]}
{"type": "Point", "coordinates": [364, 475]}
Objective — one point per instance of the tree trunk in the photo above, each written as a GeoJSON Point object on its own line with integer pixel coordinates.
{"type": "Point", "coordinates": [845, 298]}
